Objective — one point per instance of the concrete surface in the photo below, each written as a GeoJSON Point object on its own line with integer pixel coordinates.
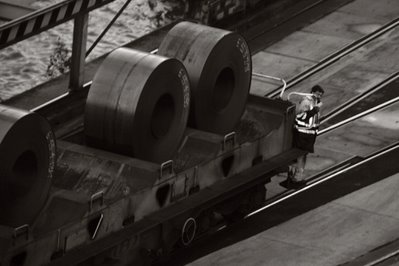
{"type": "Point", "coordinates": [333, 234]}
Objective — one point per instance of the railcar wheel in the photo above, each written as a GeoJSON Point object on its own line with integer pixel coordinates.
{"type": "Point", "coordinates": [138, 105]}
{"type": "Point", "coordinates": [219, 66]}
{"type": "Point", "coordinates": [188, 231]}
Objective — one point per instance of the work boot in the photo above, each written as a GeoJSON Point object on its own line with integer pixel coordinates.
{"type": "Point", "coordinates": [298, 180]}
{"type": "Point", "coordinates": [291, 173]}
{"type": "Point", "coordinates": [298, 177]}
{"type": "Point", "coordinates": [294, 178]}
{"type": "Point", "coordinates": [289, 183]}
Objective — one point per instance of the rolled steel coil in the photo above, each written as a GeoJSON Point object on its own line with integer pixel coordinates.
{"type": "Point", "coordinates": [219, 67]}
{"type": "Point", "coordinates": [27, 163]}
{"type": "Point", "coordinates": [138, 105]}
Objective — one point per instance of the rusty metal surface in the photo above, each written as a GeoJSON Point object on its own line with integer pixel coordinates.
{"type": "Point", "coordinates": [219, 67]}
{"type": "Point", "coordinates": [138, 105]}
{"type": "Point", "coordinates": [27, 156]}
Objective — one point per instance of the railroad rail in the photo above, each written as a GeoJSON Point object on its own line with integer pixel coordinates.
{"type": "Point", "coordinates": [381, 256]}
{"type": "Point", "coordinates": [357, 116]}
{"type": "Point", "coordinates": [345, 167]}
{"type": "Point", "coordinates": [334, 57]}
{"type": "Point", "coordinates": [357, 99]}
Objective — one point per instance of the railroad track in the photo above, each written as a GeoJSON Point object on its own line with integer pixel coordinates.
{"type": "Point", "coordinates": [334, 57]}
{"type": "Point", "coordinates": [382, 256]}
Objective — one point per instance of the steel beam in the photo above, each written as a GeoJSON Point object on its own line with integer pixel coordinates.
{"type": "Point", "coordinates": [76, 78]}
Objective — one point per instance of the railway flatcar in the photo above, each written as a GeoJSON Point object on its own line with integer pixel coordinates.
{"type": "Point", "coordinates": [166, 143]}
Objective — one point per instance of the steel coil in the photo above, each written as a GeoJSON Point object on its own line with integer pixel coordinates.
{"type": "Point", "coordinates": [27, 156]}
{"type": "Point", "coordinates": [219, 67]}
{"type": "Point", "coordinates": [138, 105]}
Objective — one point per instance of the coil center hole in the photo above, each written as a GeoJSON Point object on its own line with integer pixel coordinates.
{"type": "Point", "coordinates": [24, 172]}
{"type": "Point", "coordinates": [223, 90]}
{"type": "Point", "coordinates": [162, 116]}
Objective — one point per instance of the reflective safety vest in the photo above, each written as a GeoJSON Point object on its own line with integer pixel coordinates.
{"type": "Point", "coordinates": [307, 121]}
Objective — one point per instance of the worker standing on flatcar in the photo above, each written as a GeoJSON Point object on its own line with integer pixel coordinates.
{"type": "Point", "coordinates": [305, 131]}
